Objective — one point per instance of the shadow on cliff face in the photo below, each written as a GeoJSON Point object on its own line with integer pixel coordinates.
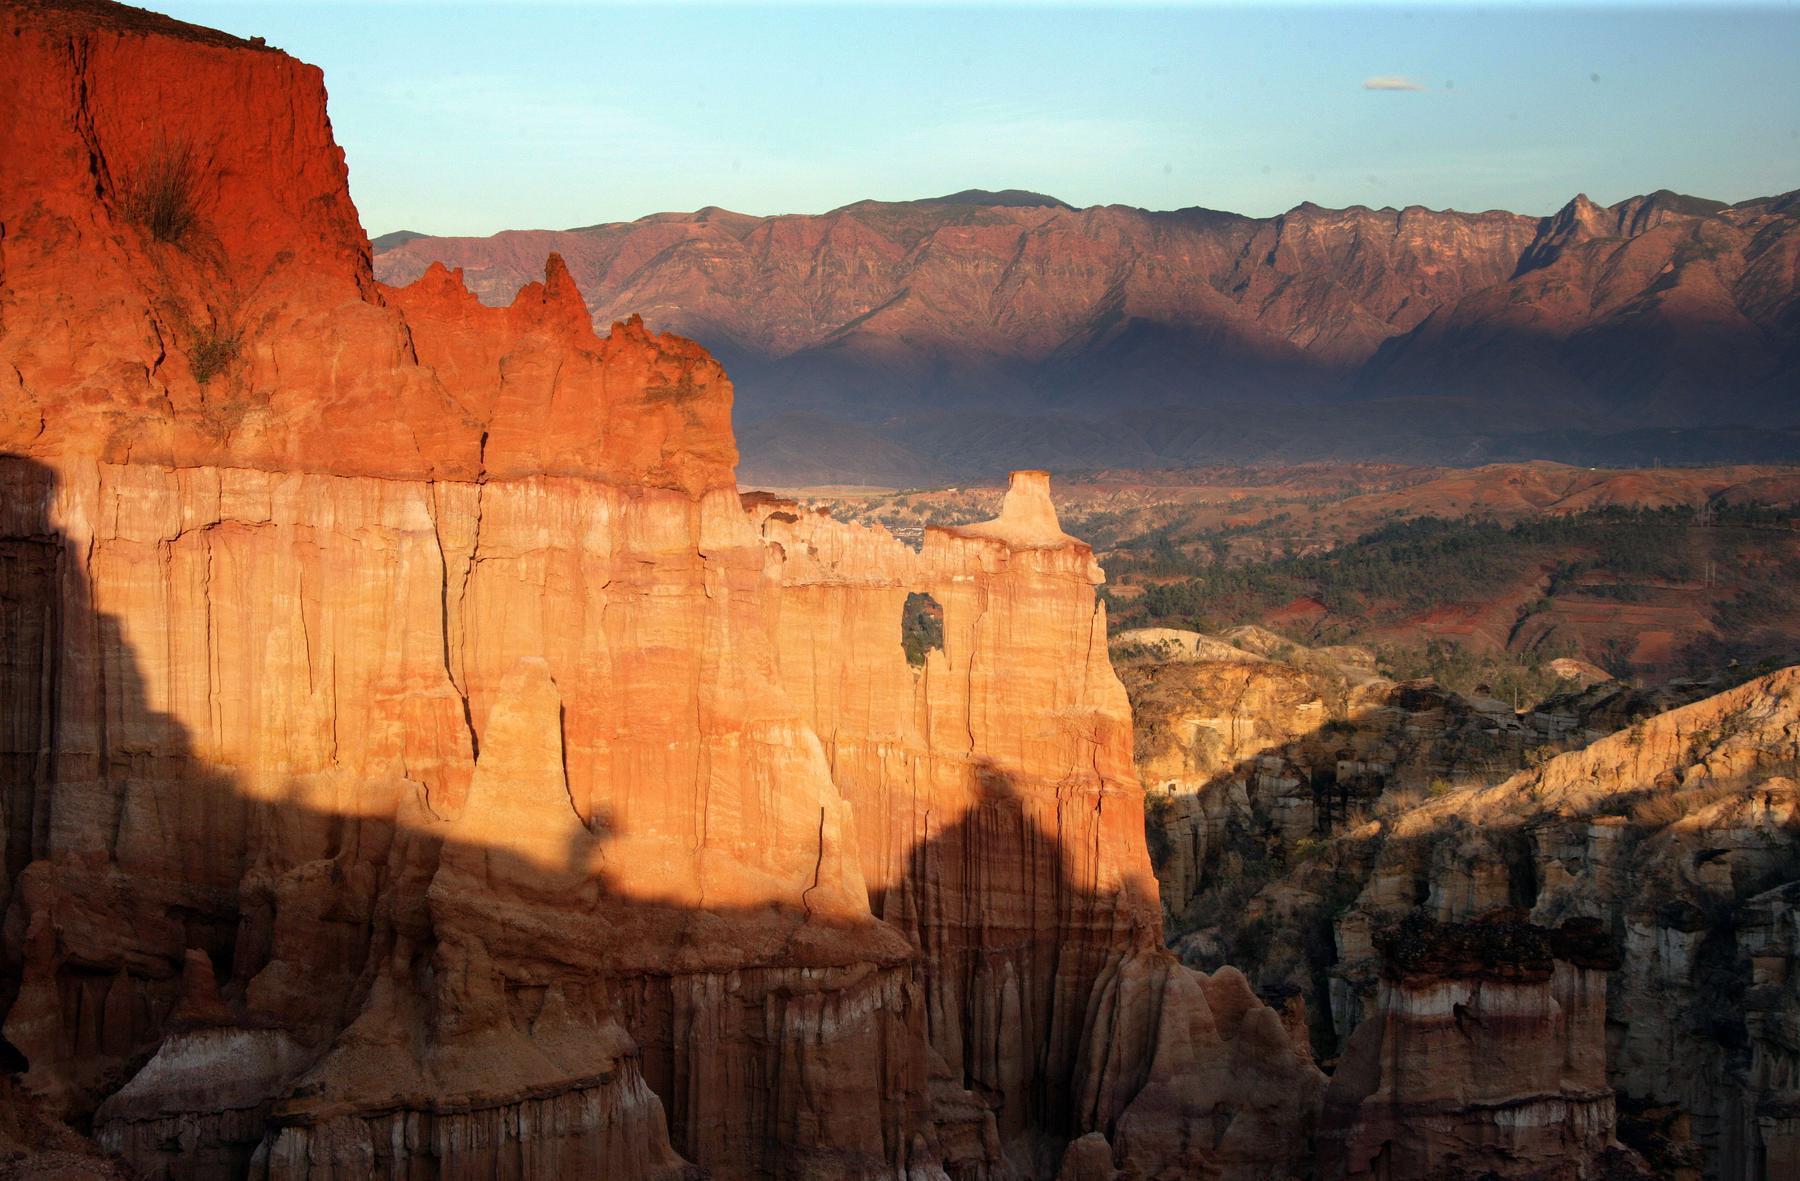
{"type": "Point", "coordinates": [1013, 952]}
{"type": "Point", "coordinates": [1263, 820]}
{"type": "Point", "coordinates": [76, 769]}
{"type": "Point", "coordinates": [1286, 863]}
{"type": "Point", "coordinates": [316, 960]}
{"type": "Point", "coordinates": [148, 895]}
{"type": "Point", "coordinates": [126, 853]}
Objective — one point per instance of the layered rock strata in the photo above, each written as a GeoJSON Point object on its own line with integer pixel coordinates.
{"type": "Point", "coordinates": [1676, 833]}
{"type": "Point", "coordinates": [1485, 1056]}
{"type": "Point", "coordinates": [1680, 835]}
{"type": "Point", "coordinates": [1248, 758]}
{"type": "Point", "coordinates": [419, 762]}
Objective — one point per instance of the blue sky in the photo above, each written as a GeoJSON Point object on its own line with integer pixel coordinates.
{"type": "Point", "coordinates": [472, 119]}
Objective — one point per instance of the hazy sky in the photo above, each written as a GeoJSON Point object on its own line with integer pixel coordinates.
{"type": "Point", "coordinates": [476, 118]}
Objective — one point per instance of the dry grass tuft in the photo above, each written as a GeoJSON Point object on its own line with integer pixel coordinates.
{"type": "Point", "coordinates": [163, 196]}
{"type": "Point", "coordinates": [212, 352]}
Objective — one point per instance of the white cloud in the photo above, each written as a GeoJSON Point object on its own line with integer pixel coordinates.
{"type": "Point", "coordinates": [1391, 82]}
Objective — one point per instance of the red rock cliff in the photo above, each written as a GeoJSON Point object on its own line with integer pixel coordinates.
{"type": "Point", "coordinates": [417, 761]}
{"type": "Point", "coordinates": [187, 284]}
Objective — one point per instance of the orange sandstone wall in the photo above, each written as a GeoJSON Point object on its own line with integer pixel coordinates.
{"type": "Point", "coordinates": [418, 762]}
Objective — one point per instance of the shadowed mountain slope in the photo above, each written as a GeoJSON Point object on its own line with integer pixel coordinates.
{"type": "Point", "coordinates": [1120, 336]}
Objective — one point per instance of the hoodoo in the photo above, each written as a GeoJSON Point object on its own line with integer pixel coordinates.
{"type": "Point", "coordinates": [418, 760]}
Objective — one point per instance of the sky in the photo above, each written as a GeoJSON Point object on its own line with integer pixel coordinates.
{"type": "Point", "coordinates": [476, 118]}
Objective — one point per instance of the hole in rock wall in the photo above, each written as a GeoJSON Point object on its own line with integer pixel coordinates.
{"type": "Point", "coordinates": [921, 628]}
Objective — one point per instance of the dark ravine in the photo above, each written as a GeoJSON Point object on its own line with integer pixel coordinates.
{"type": "Point", "coordinates": [1365, 851]}
{"type": "Point", "coordinates": [964, 335]}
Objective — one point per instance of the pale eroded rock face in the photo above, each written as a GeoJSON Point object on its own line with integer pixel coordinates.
{"type": "Point", "coordinates": [1250, 759]}
{"type": "Point", "coordinates": [1676, 835]}
{"type": "Point", "coordinates": [417, 761]}
{"type": "Point", "coordinates": [1028, 901]}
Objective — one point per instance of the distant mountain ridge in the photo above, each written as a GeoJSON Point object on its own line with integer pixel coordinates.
{"type": "Point", "coordinates": [901, 342]}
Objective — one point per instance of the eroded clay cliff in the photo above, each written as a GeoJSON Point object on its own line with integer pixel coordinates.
{"type": "Point", "coordinates": [419, 762]}
{"type": "Point", "coordinates": [1672, 833]}
{"type": "Point", "coordinates": [1484, 1056]}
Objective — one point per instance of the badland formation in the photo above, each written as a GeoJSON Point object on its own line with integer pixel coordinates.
{"type": "Point", "coordinates": [419, 760]}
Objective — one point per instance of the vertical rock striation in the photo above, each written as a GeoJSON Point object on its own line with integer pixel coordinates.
{"type": "Point", "coordinates": [1007, 842]}
{"type": "Point", "coordinates": [419, 762]}
{"type": "Point", "coordinates": [1485, 1056]}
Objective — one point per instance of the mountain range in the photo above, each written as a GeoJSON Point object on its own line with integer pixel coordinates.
{"type": "Point", "coordinates": [905, 342]}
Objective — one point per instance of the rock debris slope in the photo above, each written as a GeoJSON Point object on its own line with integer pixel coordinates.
{"type": "Point", "coordinates": [417, 760]}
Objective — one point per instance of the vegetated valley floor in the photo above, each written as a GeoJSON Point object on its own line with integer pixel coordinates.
{"type": "Point", "coordinates": [1473, 578]}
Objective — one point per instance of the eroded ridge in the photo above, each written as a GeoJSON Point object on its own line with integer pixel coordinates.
{"type": "Point", "coordinates": [418, 760]}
